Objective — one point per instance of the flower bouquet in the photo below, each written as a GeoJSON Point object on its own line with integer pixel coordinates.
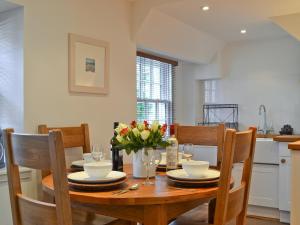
{"type": "Point", "coordinates": [137, 136]}
{"type": "Point", "coordinates": [142, 139]}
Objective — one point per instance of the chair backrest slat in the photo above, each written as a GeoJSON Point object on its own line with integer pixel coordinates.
{"type": "Point", "coordinates": [235, 203]}
{"type": "Point", "coordinates": [239, 147]}
{"type": "Point", "coordinates": [72, 136]}
{"type": "Point", "coordinates": [31, 151]}
{"type": "Point", "coordinates": [242, 146]}
{"type": "Point", "coordinates": [202, 135]}
{"type": "Point", "coordinates": [37, 152]}
{"type": "Point", "coordinates": [32, 211]}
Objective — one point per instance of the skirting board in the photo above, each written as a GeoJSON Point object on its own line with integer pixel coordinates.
{"type": "Point", "coordinates": [266, 212]}
{"type": "Point", "coordinates": [263, 212]}
{"type": "Point", "coordinates": [285, 217]}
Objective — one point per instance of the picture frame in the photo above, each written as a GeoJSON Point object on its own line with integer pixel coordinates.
{"type": "Point", "coordinates": [88, 65]}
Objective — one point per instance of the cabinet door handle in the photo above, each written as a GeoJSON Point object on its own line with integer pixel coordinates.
{"type": "Point", "coordinates": [283, 160]}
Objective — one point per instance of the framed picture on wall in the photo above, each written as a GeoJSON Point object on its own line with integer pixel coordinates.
{"type": "Point", "coordinates": [88, 65]}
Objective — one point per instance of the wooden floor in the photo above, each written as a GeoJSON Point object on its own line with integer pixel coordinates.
{"type": "Point", "coordinates": [252, 221]}
{"type": "Point", "coordinates": [194, 216]}
{"type": "Point", "coordinates": [200, 214]}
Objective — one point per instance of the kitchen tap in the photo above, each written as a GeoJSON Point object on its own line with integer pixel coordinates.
{"type": "Point", "coordinates": [262, 109]}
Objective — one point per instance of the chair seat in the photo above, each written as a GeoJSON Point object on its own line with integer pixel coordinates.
{"type": "Point", "coordinates": [84, 218]}
{"type": "Point", "coordinates": [197, 216]}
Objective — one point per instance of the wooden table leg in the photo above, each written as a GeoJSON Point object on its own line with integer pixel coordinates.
{"type": "Point", "coordinates": [211, 210]}
{"type": "Point", "coordinates": [155, 214]}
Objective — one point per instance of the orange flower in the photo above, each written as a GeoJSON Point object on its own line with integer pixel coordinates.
{"type": "Point", "coordinates": [163, 129]}
{"type": "Point", "coordinates": [124, 131]}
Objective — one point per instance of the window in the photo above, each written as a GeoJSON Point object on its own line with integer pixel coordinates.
{"type": "Point", "coordinates": [210, 91]}
{"type": "Point", "coordinates": [155, 80]}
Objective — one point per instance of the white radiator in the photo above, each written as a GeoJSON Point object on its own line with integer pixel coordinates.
{"type": "Point", "coordinates": [29, 188]}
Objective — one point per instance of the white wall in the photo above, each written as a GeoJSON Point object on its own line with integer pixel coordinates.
{"type": "Point", "coordinates": [257, 72]}
{"type": "Point", "coordinates": [11, 69]}
{"type": "Point", "coordinates": [263, 72]}
{"type": "Point", "coordinates": [47, 99]}
{"type": "Point", "coordinates": [166, 35]}
{"type": "Point", "coordinates": [188, 96]}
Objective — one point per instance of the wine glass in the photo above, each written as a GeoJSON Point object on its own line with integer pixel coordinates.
{"type": "Point", "coordinates": [180, 153]}
{"type": "Point", "coordinates": [97, 153]}
{"type": "Point", "coordinates": [150, 158]}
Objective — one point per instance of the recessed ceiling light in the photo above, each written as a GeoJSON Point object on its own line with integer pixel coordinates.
{"type": "Point", "coordinates": [243, 31]}
{"type": "Point", "coordinates": [205, 8]}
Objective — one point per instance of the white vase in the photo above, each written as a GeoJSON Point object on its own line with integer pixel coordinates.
{"type": "Point", "coordinates": [139, 169]}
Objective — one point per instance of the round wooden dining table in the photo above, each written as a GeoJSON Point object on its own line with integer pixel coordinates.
{"type": "Point", "coordinates": [150, 205]}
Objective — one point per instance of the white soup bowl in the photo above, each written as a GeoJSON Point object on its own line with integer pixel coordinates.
{"type": "Point", "coordinates": [98, 169]}
{"type": "Point", "coordinates": [196, 169]}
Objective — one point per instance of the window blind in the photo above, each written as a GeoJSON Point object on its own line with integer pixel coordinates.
{"type": "Point", "coordinates": [155, 89]}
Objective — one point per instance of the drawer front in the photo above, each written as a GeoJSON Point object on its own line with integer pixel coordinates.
{"type": "Point", "coordinates": [284, 149]}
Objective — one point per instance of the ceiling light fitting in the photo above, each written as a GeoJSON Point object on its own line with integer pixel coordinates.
{"type": "Point", "coordinates": [205, 8]}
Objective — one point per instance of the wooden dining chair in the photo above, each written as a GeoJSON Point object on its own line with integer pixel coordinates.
{"type": "Point", "coordinates": [231, 204]}
{"type": "Point", "coordinates": [77, 137]}
{"type": "Point", "coordinates": [41, 152]}
{"type": "Point", "coordinates": [72, 137]}
{"type": "Point", "coordinates": [202, 135]}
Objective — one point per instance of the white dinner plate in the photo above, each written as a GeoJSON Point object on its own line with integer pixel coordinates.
{"type": "Point", "coordinates": [78, 163]}
{"type": "Point", "coordinates": [180, 174]}
{"type": "Point", "coordinates": [83, 177]}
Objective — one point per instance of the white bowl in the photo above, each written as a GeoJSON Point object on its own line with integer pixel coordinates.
{"type": "Point", "coordinates": [98, 169]}
{"type": "Point", "coordinates": [195, 168]}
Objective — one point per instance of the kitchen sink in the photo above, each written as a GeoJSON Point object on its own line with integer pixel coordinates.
{"type": "Point", "coordinates": [266, 151]}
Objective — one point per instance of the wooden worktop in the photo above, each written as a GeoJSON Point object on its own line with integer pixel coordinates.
{"type": "Point", "coordinates": [266, 135]}
{"type": "Point", "coordinates": [295, 146]}
{"type": "Point", "coordinates": [287, 138]}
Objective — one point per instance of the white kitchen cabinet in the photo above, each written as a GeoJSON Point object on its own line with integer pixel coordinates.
{"type": "Point", "coordinates": [264, 184]}
{"type": "Point", "coordinates": [270, 185]}
{"type": "Point", "coordinates": [284, 183]}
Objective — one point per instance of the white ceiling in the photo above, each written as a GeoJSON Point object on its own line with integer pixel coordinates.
{"type": "Point", "coordinates": [226, 18]}
{"type": "Point", "coordinates": [6, 6]}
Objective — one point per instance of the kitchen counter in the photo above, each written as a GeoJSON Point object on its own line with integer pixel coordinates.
{"type": "Point", "coordinates": [266, 135]}
{"type": "Point", "coordinates": [295, 146]}
{"type": "Point", "coordinates": [287, 138]}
